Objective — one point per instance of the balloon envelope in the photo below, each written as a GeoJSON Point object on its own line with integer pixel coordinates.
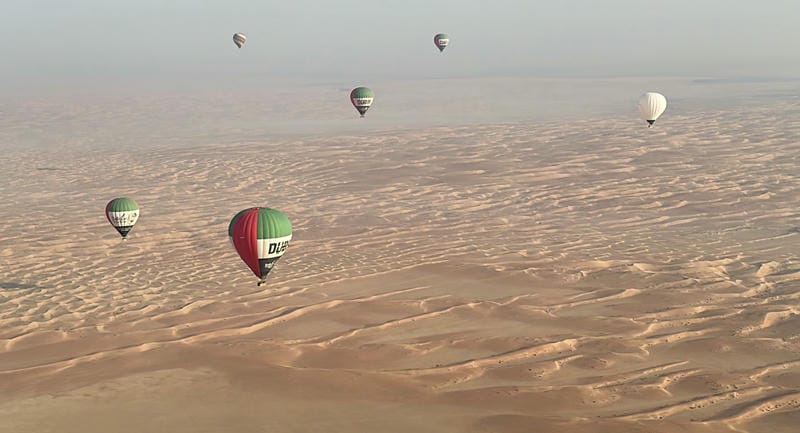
{"type": "Point", "coordinates": [122, 213]}
{"type": "Point", "coordinates": [652, 106]}
{"type": "Point", "coordinates": [441, 41]}
{"type": "Point", "coordinates": [239, 39]}
{"type": "Point", "coordinates": [260, 235]}
{"type": "Point", "coordinates": [362, 98]}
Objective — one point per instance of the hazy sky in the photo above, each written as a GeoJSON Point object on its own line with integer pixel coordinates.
{"type": "Point", "coordinates": [57, 43]}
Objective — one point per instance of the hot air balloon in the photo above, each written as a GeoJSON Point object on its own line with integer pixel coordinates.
{"type": "Point", "coordinates": [362, 97]}
{"type": "Point", "coordinates": [239, 39]}
{"type": "Point", "coordinates": [122, 213]}
{"type": "Point", "coordinates": [260, 235]}
{"type": "Point", "coordinates": [652, 105]}
{"type": "Point", "coordinates": [441, 40]}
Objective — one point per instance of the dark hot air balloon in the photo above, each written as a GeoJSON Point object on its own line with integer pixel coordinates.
{"type": "Point", "coordinates": [239, 39]}
{"type": "Point", "coordinates": [441, 41]}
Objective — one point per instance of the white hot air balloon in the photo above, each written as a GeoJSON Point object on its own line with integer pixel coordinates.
{"type": "Point", "coordinates": [652, 105]}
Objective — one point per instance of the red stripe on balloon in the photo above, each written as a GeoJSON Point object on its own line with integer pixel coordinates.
{"type": "Point", "coordinates": [245, 239]}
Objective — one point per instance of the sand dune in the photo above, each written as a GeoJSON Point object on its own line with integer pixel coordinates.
{"type": "Point", "coordinates": [591, 276]}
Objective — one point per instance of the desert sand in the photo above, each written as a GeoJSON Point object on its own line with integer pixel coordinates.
{"type": "Point", "coordinates": [588, 275]}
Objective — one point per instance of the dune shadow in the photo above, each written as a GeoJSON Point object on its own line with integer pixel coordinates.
{"type": "Point", "coordinates": [8, 285]}
{"type": "Point", "coordinates": [50, 169]}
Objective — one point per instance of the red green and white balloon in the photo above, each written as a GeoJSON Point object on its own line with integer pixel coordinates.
{"type": "Point", "coordinates": [261, 236]}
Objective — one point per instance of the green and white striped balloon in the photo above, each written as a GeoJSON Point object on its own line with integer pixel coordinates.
{"type": "Point", "coordinates": [122, 213]}
{"type": "Point", "coordinates": [361, 98]}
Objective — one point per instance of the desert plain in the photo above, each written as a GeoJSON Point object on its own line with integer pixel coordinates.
{"type": "Point", "coordinates": [557, 273]}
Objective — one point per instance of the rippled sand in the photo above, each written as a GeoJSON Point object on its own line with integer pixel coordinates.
{"type": "Point", "coordinates": [590, 276]}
